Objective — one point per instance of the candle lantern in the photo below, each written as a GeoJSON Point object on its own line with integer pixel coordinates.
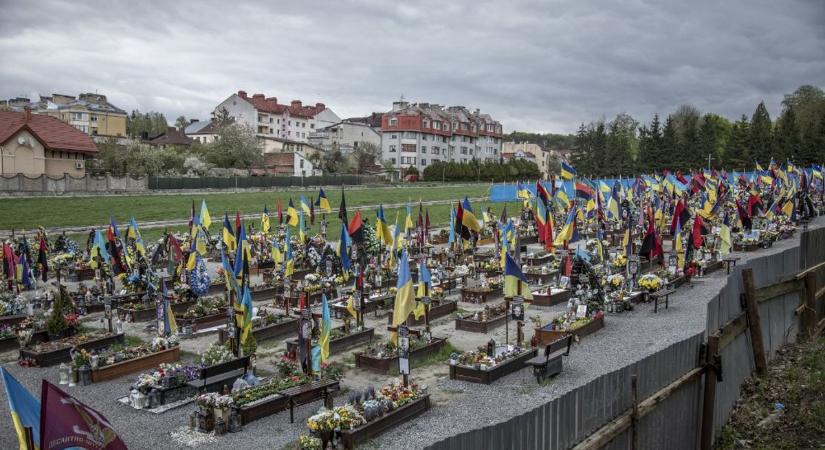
{"type": "Point", "coordinates": [220, 427]}
{"type": "Point", "coordinates": [85, 375]}
{"type": "Point", "coordinates": [64, 373]}
{"type": "Point", "coordinates": [235, 424]}
{"type": "Point", "coordinates": [154, 399]}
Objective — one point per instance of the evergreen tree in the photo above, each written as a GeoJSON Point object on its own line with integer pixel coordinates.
{"type": "Point", "coordinates": [737, 151]}
{"type": "Point", "coordinates": [813, 144]}
{"type": "Point", "coordinates": [583, 149]}
{"type": "Point", "coordinates": [688, 154]}
{"type": "Point", "coordinates": [645, 161]}
{"type": "Point", "coordinates": [761, 134]}
{"type": "Point", "coordinates": [658, 158]}
{"type": "Point", "coordinates": [787, 138]}
{"type": "Point", "coordinates": [669, 144]}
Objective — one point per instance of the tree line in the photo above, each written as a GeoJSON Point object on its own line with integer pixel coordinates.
{"type": "Point", "coordinates": [687, 139]}
{"type": "Point", "coordinates": [475, 170]}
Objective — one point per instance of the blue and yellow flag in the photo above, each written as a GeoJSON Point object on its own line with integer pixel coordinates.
{"type": "Point", "coordinates": [24, 408]}
{"type": "Point", "coordinates": [323, 202]}
{"type": "Point", "coordinates": [265, 221]}
{"type": "Point", "coordinates": [404, 296]}
{"type": "Point", "coordinates": [343, 252]}
{"type": "Point", "coordinates": [134, 233]}
{"type": "Point", "coordinates": [468, 218]}
{"type": "Point", "coordinates": [326, 329]}
{"type": "Point", "coordinates": [292, 214]}
{"type": "Point", "coordinates": [515, 283]}
{"type": "Point", "coordinates": [206, 219]}
{"type": "Point", "coordinates": [246, 308]}
{"type": "Point", "coordinates": [289, 268]}
{"type": "Point", "coordinates": [305, 205]}
{"type": "Point", "coordinates": [382, 229]}
{"type": "Point", "coordinates": [568, 172]}
{"type": "Point", "coordinates": [228, 236]}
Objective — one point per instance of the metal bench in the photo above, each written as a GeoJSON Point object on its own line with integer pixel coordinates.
{"type": "Point", "coordinates": [658, 295]}
{"type": "Point", "coordinates": [549, 364]}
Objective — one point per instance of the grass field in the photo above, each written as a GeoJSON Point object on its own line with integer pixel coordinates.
{"type": "Point", "coordinates": [28, 213]}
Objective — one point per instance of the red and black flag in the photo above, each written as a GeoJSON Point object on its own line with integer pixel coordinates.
{"type": "Point", "coordinates": [342, 210]}
{"type": "Point", "coordinates": [43, 258]}
{"type": "Point", "coordinates": [652, 245]}
{"type": "Point", "coordinates": [356, 228]}
{"type": "Point", "coordinates": [312, 211]}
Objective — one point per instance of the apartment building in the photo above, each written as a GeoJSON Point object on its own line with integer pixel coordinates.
{"type": "Point", "coordinates": [346, 136]}
{"type": "Point", "coordinates": [89, 113]}
{"type": "Point", "coordinates": [419, 134]}
{"type": "Point", "coordinates": [269, 118]}
{"type": "Point", "coordinates": [538, 155]}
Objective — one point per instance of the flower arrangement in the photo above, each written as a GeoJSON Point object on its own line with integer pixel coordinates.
{"type": "Point", "coordinates": [615, 281]}
{"type": "Point", "coordinates": [349, 417]}
{"type": "Point", "coordinates": [162, 343]}
{"type": "Point", "coordinates": [216, 354]}
{"type": "Point", "coordinates": [651, 282]}
{"type": "Point", "coordinates": [6, 331]}
{"type": "Point", "coordinates": [479, 357]}
{"type": "Point", "coordinates": [81, 358]}
{"type": "Point", "coordinates": [306, 442]}
{"type": "Point", "coordinates": [214, 400]}
{"type": "Point", "coordinates": [620, 261]}
{"type": "Point", "coordinates": [323, 421]}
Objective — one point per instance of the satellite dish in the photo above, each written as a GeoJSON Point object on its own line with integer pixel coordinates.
{"type": "Point", "coordinates": [23, 141]}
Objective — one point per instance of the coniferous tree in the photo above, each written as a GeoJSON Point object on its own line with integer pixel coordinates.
{"type": "Point", "coordinates": [658, 158]}
{"type": "Point", "coordinates": [670, 144]}
{"type": "Point", "coordinates": [761, 134]}
{"type": "Point", "coordinates": [707, 142]}
{"type": "Point", "coordinates": [645, 161]}
{"type": "Point", "coordinates": [737, 151]}
{"type": "Point", "coordinates": [787, 138]}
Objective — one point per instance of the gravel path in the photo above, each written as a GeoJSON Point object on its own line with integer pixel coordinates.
{"type": "Point", "coordinates": [457, 406]}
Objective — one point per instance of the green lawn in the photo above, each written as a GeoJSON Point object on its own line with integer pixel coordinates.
{"type": "Point", "coordinates": [439, 216]}
{"type": "Point", "coordinates": [29, 213]}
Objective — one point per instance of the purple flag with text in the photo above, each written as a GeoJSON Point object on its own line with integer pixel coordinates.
{"type": "Point", "coordinates": [65, 422]}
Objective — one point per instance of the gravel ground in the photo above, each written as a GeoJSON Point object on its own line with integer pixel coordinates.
{"type": "Point", "coordinates": [457, 406]}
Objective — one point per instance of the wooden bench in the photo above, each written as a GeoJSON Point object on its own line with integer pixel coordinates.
{"type": "Point", "coordinates": [549, 364]}
{"type": "Point", "coordinates": [658, 295]}
{"type": "Point", "coordinates": [728, 260]}
{"type": "Point", "coordinates": [215, 376]}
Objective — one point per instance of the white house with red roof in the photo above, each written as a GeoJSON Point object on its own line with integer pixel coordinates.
{"type": "Point", "coordinates": [34, 145]}
{"type": "Point", "coordinates": [269, 118]}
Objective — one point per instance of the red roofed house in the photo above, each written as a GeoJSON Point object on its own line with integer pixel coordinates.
{"type": "Point", "coordinates": [34, 144]}
{"type": "Point", "coordinates": [269, 118]}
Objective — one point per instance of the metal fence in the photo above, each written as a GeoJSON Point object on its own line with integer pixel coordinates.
{"type": "Point", "coordinates": [675, 422]}
{"type": "Point", "coordinates": [246, 182]}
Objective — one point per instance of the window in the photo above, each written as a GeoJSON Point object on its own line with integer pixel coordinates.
{"type": "Point", "coordinates": [302, 164]}
{"type": "Point", "coordinates": [312, 125]}
{"type": "Point", "coordinates": [463, 150]}
{"type": "Point", "coordinates": [290, 123]}
{"type": "Point", "coordinates": [393, 122]}
{"type": "Point", "coordinates": [408, 148]}
{"type": "Point", "coordinates": [93, 117]}
{"type": "Point", "coordinates": [423, 162]}
{"type": "Point", "coordinates": [410, 135]}
{"type": "Point", "coordinates": [392, 149]}
{"type": "Point", "coordinates": [289, 133]}
{"type": "Point", "coordinates": [270, 120]}
{"type": "Point", "coordinates": [393, 136]}
{"type": "Point", "coordinates": [423, 149]}
{"type": "Point", "coordinates": [436, 150]}
{"type": "Point", "coordinates": [435, 160]}
{"type": "Point", "coordinates": [423, 137]}
{"type": "Point", "coordinates": [392, 160]}
{"type": "Point", "coordinates": [437, 125]}
{"type": "Point", "coordinates": [77, 116]}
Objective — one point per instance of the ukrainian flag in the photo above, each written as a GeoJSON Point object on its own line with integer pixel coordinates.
{"type": "Point", "coordinates": [382, 229]}
{"type": "Point", "coordinates": [468, 218]}
{"type": "Point", "coordinates": [562, 199]}
{"type": "Point", "coordinates": [24, 408]}
{"type": "Point", "coordinates": [277, 256]}
{"type": "Point", "coordinates": [515, 283]}
{"type": "Point", "coordinates": [134, 233]}
{"type": "Point", "coordinates": [523, 192]}
{"type": "Point", "coordinates": [229, 273]}
{"type": "Point", "coordinates": [265, 221]}
{"type": "Point", "coordinates": [206, 219]}
{"type": "Point", "coordinates": [98, 249]}
{"type": "Point", "coordinates": [246, 308]}
{"type": "Point", "coordinates": [567, 171]}
{"type": "Point", "coordinates": [342, 249]}
{"type": "Point", "coordinates": [292, 214]}
{"type": "Point", "coordinates": [404, 296]}
{"type": "Point", "coordinates": [568, 232]}
{"type": "Point", "coordinates": [228, 234]}
{"type": "Point", "coordinates": [408, 222]}
{"type": "Point", "coordinates": [326, 329]}
{"type": "Point", "coordinates": [290, 260]}
{"type": "Point", "coordinates": [305, 205]}
{"type": "Point", "coordinates": [323, 202]}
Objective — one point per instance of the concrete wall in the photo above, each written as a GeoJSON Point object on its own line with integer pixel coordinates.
{"type": "Point", "coordinates": [47, 185]}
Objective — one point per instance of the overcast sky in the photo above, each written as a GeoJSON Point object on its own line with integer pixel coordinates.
{"type": "Point", "coordinates": [536, 66]}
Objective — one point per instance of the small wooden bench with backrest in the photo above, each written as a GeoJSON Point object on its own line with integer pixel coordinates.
{"type": "Point", "coordinates": [549, 364]}
{"type": "Point", "coordinates": [213, 378]}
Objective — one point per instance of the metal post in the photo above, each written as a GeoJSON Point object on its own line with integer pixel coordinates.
{"type": "Point", "coordinates": [709, 399]}
{"type": "Point", "coordinates": [808, 322]}
{"type": "Point", "coordinates": [634, 414]}
{"type": "Point", "coordinates": [754, 323]}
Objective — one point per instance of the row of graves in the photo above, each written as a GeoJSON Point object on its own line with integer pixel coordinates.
{"type": "Point", "coordinates": [592, 263]}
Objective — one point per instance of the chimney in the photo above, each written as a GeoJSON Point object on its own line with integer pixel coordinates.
{"type": "Point", "coordinates": [272, 99]}
{"type": "Point", "coordinates": [260, 96]}
{"type": "Point", "coordinates": [320, 106]}
{"type": "Point", "coordinates": [242, 94]}
{"type": "Point", "coordinates": [296, 103]}
{"type": "Point", "coordinates": [28, 113]}
{"type": "Point", "coordinates": [191, 121]}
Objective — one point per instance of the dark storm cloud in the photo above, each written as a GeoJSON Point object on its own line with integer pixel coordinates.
{"type": "Point", "coordinates": [542, 66]}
